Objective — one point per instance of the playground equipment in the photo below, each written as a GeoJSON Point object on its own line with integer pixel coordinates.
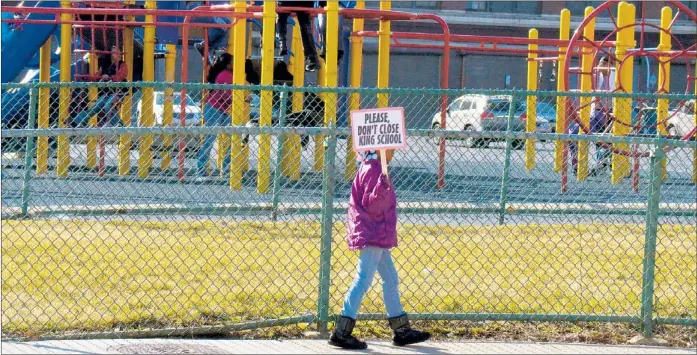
{"type": "Point", "coordinates": [121, 18]}
{"type": "Point", "coordinates": [624, 53]}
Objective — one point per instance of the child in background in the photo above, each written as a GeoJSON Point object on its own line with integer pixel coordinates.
{"type": "Point", "coordinates": [372, 229]}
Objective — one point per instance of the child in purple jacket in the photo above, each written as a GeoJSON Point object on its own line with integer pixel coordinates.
{"type": "Point", "coordinates": [372, 229]}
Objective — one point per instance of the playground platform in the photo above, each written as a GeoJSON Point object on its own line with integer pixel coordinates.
{"type": "Point", "coordinates": [192, 346]}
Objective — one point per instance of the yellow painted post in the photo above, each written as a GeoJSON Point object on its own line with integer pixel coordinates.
{"type": "Point", "coordinates": [586, 86]}
{"type": "Point", "coordinates": [290, 164]}
{"type": "Point", "coordinates": [126, 106]}
{"type": "Point", "coordinates": [237, 114]}
{"type": "Point", "coordinates": [249, 39]}
{"type": "Point", "coordinates": [664, 44]}
{"type": "Point", "coordinates": [224, 139]}
{"type": "Point", "coordinates": [331, 76]}
{"type": "Point", "coordinates": [384, 33]}
{"type": "Point", "coordinates": [564, 27]}
{"type": "Point", "coordinates": [63, 154]}
{"type": "Point", "coordinates": [319, 139]}
{"type": "Point", "coordinates": [168, 111]}
{"type": "Point", "coordinates": [623, 106]}
{"type": "Point", "coordinates": [531, 113]}
{"type": "Point", "coordinates": [44, 105]}
{"type": "Point", "coordinates": [148, 119]}
{"type": "Point", "coordinates": [92, 121]}
{"type": "Point", "coordinates": [266, 105]}
{"type": "Point", "coordinates": [354, 82]}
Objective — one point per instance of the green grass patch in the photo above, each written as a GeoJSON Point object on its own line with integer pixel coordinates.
{"type": "Point", "coordinates": [73, 275]}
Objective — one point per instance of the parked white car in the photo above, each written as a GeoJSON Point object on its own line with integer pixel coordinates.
{"type": "Point", "coordinates": [193, 109]}
{"type": "Point", "coordinates": [682, 121]}
{"type": "Point", "coordinates": [482, 113]}
{"type": "Point", "coordinates": [192, 119]}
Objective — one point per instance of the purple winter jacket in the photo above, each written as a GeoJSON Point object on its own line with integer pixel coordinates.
{"type": "Point", "coordinates": [372, 212]}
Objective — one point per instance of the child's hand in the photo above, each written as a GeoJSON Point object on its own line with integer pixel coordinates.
{"type": "Point", "coordinates": [384, 180]}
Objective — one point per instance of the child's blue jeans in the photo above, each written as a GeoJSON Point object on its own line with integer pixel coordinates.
{"type": "Point", "coordinates": [212, 118]}
{"type": "Point", "coordinates": [370, 260]}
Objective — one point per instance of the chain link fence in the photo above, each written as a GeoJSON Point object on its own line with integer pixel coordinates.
{"type": "Point", "coordinates": [160, 213]}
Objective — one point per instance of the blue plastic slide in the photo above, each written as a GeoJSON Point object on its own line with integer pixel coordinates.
{"type": "Point", "coordinates": [20, 44]}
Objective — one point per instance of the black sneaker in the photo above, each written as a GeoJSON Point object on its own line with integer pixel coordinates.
{"type": "Point", "coordinates": [403, 334]}
{"type": "Point", "coordinates": [199, 47]}
{"type": "Point", "coordinates": [311, 64]}
{"type": "Point", "coordinates": [342, 337]}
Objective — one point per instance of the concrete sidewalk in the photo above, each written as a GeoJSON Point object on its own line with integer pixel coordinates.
{"type": "Point", "coordinates": [193, 346]}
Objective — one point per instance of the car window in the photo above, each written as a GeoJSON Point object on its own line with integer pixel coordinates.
{"type": "Point", "coordinates": [498, 105]}
{"type": "Point", "coordinates": [455, 105]}
{"type": "Point", "coordinates": [160, 100]}
{"type": "Point", "coordinates": [466, 105]}
{"type": "Point", "coordinates": [689, 107]}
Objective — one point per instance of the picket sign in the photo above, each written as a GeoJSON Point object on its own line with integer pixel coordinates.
{"type": "Point", "coordinates": [379, 129]}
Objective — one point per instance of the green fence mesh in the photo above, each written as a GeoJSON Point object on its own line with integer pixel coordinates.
{"type": "Point", "coordinates": [124, 222]}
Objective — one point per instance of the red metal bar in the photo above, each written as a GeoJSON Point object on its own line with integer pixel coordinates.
{"type": "Point", "coordinates": [477, 39]}
{"type": "Point", "coordinates": [675, 18]}
{"type": "Point", "coordinates": [127, 12]}
{"type": "Point", "coordinates": [513, 51]}
{"type": "Point", "coordinates": [107, 23]}
{"type": "Point", "coordinates": [92, 24]}
{"type": "Point", "coordinates": [635, 169]}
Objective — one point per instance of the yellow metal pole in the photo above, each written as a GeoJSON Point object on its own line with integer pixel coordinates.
{"type": "Point", "coordinates": [168, 111]}
{"type": "Point", "coordinates": [92, 122]}
{"type": "Point", "coordinates": [224, 139]}
{"type": "Point", "coordinates": [63, 154]}
{"type": "Point", "coordinates": [148, 119]}
{"type": "Point", "coordinates": [384, 33]}
{"type": "Point", "coordinates": [531, 113]}
{"type": "Point", "coordinates": [664, 44]}
{"type": "Point", "coordinates": [266, 106]}
{"type": "Point", "coordinates": [238, 77]}
{"type": "Point", "coordinates": [249, 39]}
{"type": "Point", "coordinates": [586, 86]}
{"type": "Point", "coordinates": [290, 164]}
{"type": "Point", "coordinates": [319, 139]}
{"type": "Point", "coordinates": [126, 106]}
{"type": "Point", "coordinates": [331, 75]}
{"type": "Point", "coordinates": [564, 27]}
{"type": "Point", "coordinates": [246, 106]}
{"type": "Point", "coordinates": [354, 82]}
{"type": "Point", "coordinates": [623, 106]}
{"type": "Point", "coordinates": [44, 105]}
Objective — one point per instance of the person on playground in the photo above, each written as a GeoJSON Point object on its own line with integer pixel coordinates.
{"type": "Point", "coordinates": [108, 99]}
{"type": "Point", "coordinates": [601, 116]}
{"type": "Point", "coordinates": [372, 229]}
{"type": "Point", "coordinates": [217, 110]}
{"type": "Point", "coordinates": [305, 22]}
{"type": "Point", "coordinates": [217, 36]}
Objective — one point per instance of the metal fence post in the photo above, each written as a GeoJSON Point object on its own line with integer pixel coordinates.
{"type": "Point", "coordinates": [328, 186]}
{"type": "Point", "coordinates": [31, 122]}
{"type": "Point", "coordinates": [279, 155]}
{"type": "Point", "coordinates": [503, 199]}
{"type": "Point", "coordinates": [653, 199]}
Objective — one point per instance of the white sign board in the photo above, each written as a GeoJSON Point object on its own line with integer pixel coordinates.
{"type": "Point", "coordinates": [378, 129]}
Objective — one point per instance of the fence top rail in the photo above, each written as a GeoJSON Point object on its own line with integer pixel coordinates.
{"type": "Point", "coordinates": [340, 131]}
{"type": "Point", "coordinates": [341, 90]}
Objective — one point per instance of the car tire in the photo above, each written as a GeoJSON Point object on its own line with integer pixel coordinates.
{"type": "Point", "coordinates": [671, 131]}
{"type": "Point", "coordinates": [472, 142]}
{"type": "Point", "coordinates": [436, 126]}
